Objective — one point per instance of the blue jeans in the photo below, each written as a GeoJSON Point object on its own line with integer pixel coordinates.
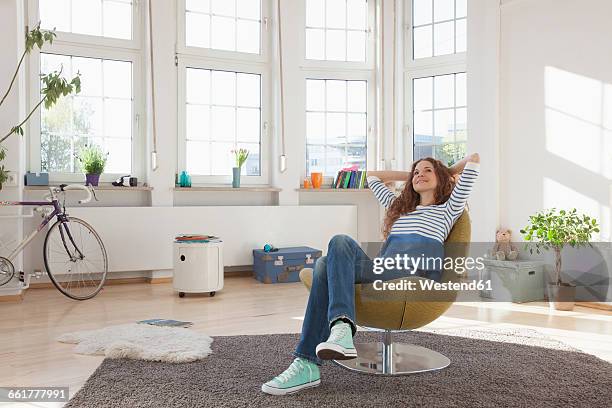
{"type": "Point", "coordinates": [332, 295]}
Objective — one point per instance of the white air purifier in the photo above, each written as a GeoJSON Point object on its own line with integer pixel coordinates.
{"type": "Point", "coordinates": [198, 267]}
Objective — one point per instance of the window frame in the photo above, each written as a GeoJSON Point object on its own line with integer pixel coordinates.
{"type": "Point", "coordinates": [265, 124]}
{"type": "Point", "coordinates": [222, 60]}
{"type": "Point", "coordinates": [353, 75]}
{"type": "Point", "coordinates": [368, 64]}
{"type": "Point", "coordinates": [79, 45]}
{"type": "Point", "coordinates": [423, 68]}
{"type": "Point", "coordinates": [265, 33]}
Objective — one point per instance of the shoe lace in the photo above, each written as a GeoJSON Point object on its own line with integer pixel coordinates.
{"type": "Point", "coordinates": [290, 372]}
{"type": "Point", "coordinates": [338, 332]}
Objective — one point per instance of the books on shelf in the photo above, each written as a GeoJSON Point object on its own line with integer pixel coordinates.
{"type": "Point", "coordinates": [351, 179]}
{"type": "Point", "coordinates": [196, 238]}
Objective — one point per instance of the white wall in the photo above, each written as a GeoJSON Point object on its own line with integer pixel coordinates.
{"type": "Point", "coordinates": [556, 109]}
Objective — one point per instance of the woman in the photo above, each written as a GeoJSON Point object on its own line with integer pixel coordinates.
{"type": "Point", "coordinates": [417, 223]}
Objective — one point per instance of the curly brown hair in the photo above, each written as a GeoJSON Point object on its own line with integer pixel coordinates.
{"type": "Point", "coordinates": [408, 199]}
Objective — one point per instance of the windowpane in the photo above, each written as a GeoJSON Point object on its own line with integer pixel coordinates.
{"type": "Point", "coordinates": [229, 25]}
{"type": "Point", "coordinates": [336, 96]}
{"type": "Point", "coordinates": [356, 46]}
{"type": "Point", "coordinates": [228, 114]}
{"type": "Point", "coordinates": [248, 36]}
{"type": "Point", "coordinates": [315, 95]}
{"type": "Point", "coordinates": [249, 92]}
{"type": "Point", "coordinates": [357, 14]}
{"type": "Point", "coordinates": [197, 30]}
{"type": "Point", "coordinates": [108, 18]}
{"type": "Point", "coordinates": [86, 17]}
{"type": "Point", "coordinates": [336, 45]}
{"type": "Point", "coordinates": [117, 20]}
{"type": "Point", "coordinates": [223, 88]}
{"type": "Point", "coordinates": [248, 9]}
{"type": "Point", "coordinates": [248, 125]}
{"type": "Point", "coordinates": [223, 33]}
{"type": "Point", "coordinates": [101, 114]}
{"type": "Point", "coordinates": [461, 8]}
{"type": "Point", "coordinates": [335, 138]}
{"type": "Point", "coordinates": [315, 44]}
{"type": "Point", "coordinates": [357, 96]}
{"type": "Point", "coordinates": [461, 35]}
{"type": "Point", "coordinates": [444, 91]}
{"type": "Point", "coordinates": [315, 13]}
{"type": "Point", "coordinates": [117, 79]}
{"type": "Point", "coordinates": [444, 39]}
{"type": "Point", "coordinates": [198, 157]}
{"type": "Point", "coordinates": [444, 10]}
{"type": "Point", "coordinates": [423, 42]}
{"type": "Point", "coordinates": [422, 12]}
{"type": "Point", "coordinates": [336, 30]}
{"type": "Point", "coordinates": [438, 124]}
{"type": "Point", "coordinates": [335, 13]}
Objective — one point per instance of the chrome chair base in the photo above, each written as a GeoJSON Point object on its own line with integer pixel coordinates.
{"type": "Point", "coordinates": [388, 358]}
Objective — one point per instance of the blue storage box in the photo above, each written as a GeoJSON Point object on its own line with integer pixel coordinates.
{"type": "Point", "coordinates": [36, 179]}
{"type": "Point", "coordinates": [283, 265]}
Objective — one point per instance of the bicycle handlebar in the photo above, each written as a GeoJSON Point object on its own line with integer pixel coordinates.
{"type": "Point", "coordinates": [79, 187]}
{"type": "Point", "coordinates": [67, 187]}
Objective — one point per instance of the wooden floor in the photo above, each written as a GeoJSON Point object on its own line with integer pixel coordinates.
{"type": "Point", "coordinates": [30, 356]}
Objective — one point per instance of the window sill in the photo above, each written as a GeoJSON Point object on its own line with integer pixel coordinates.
{"type": "Point", "coordinates": [101, 187]}
{"type": "Point", "coordinates": [333, 190]}
{"type": "Point", "coordinates": [212, 189]}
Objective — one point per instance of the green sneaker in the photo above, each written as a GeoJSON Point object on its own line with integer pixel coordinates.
{"type": "Point", "coordinates": [300, 375]}
{"type": "Point", "coordinates": [339, 345]}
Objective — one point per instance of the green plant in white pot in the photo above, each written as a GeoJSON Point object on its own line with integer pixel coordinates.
{"type": "Point", "coordinates": [93, 161]}
{"type": "Point", "coordinates": [552, 229]}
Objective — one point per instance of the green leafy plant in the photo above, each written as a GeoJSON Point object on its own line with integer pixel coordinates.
{"type": "Point", "coordinates": [93, 160]}
{"type": "Point", "coordinates": [4, 174]}
{"type": "Point", "coordinates": [53, 85]}
{"type": "Point", "coordinates": [241, 156]}
{"type": "Point", "coordinates": [552, 229]}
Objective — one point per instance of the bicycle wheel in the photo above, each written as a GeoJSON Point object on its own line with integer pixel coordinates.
{"type": "Point", "coordinates": [7, 270]}
{"type": "Point", "coordinates": [75, 258]}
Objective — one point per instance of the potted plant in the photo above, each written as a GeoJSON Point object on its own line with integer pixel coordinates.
{"type": "Point", "coordinates": [4, 174]}
{"type": "Point", "coordinates": [241, 156]}
{"type": "Point", "coordinates": [554, 230]}
{"type": "Point", "coordinates": [93, 161]}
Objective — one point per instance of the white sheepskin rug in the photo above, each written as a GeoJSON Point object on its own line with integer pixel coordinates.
{"type": "Point", "coordinates": [142, 342]}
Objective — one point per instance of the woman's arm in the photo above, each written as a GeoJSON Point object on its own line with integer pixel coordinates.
{"type": "Point", "coordinates": [386, 176]}
{"type": "Point", "coordinates": [460, 165]}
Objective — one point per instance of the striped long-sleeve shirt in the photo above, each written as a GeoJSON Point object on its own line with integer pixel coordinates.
{"type": "Point", "coordinates": [432, 221]}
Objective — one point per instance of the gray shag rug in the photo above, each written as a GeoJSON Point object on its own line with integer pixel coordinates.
{"type": "Point", "coordinates": [489, 368]}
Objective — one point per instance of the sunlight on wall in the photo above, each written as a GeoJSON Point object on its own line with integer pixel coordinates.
{"type": "Point", "coordinates": [578, 113]}
{"type": "Point", "coordinates": [562, 197]}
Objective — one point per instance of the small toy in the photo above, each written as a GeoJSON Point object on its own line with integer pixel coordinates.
{"type": "Point", "coordinates": [504, 249]}
{"type": "Point", "coordinates": [269, 248]}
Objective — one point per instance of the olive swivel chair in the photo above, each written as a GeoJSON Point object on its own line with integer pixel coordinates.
{"type": "Point", "coordinates": [400, 311]}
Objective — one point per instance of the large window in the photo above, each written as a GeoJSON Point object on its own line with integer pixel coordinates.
{"type": "Point", "coordinates": [336, 125]}
{"type": "Point", "coordinates": [339, 75]}
{"type": "Point", "coordinates": [436, 79]}
{"type": "Point", "coordinates": [231, 25]}
{"type": "Point", "coordinates": [438, 27]}
{"type": "Point", "coordinates": [223, 112]}
{"type": "Point", "coordinates": [97, 39]}
{"type": "Point", "coordinates": [223, 100]}
{"type": "Point", "coordinates": [100, 115]}
{"type": "Point", "coordinates": [440, 117]}
{"type": "Point", "coordinates": [336, 30]}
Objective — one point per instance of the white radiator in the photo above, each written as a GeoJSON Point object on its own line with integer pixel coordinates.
{"type": "Point", "coordinates": [140, 238]}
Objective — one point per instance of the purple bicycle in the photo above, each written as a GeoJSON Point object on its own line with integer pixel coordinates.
{"type": "Point", "coordinates": [74, 254]}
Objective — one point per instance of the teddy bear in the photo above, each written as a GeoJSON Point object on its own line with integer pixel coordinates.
{"type": "Point", "coordinates": [504, 249]}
